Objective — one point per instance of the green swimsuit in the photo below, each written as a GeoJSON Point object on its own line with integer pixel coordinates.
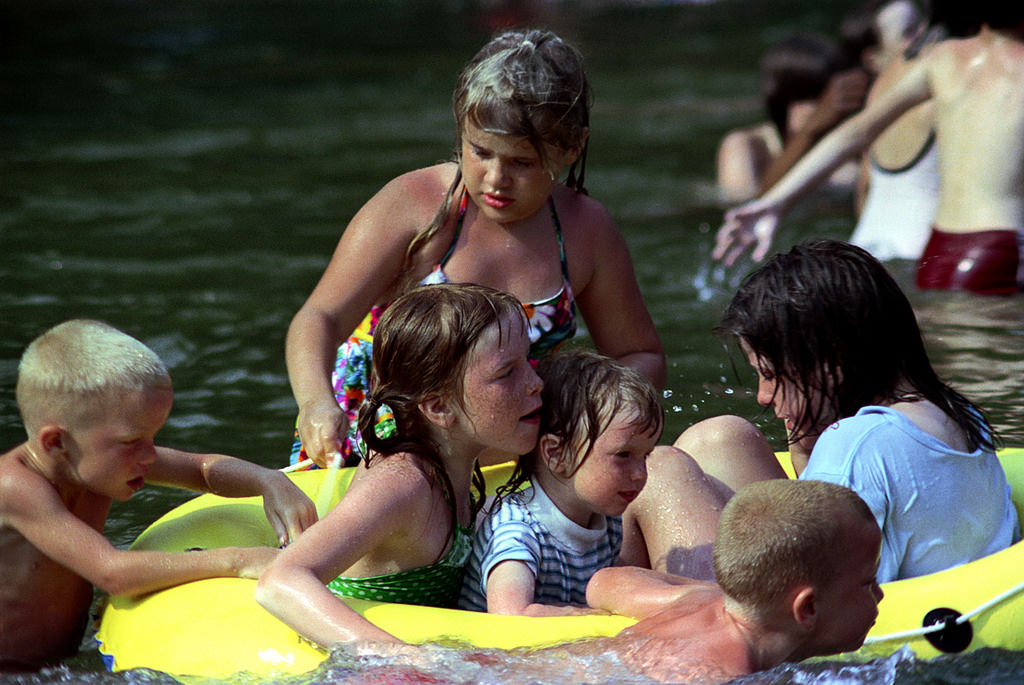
{"type": "Point", "coordinates": [437, 585]}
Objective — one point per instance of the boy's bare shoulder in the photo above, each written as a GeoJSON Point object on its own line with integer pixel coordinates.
{"type": "Point", "coordinates": [20, 486]}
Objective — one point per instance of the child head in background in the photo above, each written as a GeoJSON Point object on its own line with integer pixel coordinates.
{"type": "Point", "coordinates": [599, 421]}
{"type": "Point", "coordinates": [794, 73]}
{"type": "Point", "coordinates": [829, 331]}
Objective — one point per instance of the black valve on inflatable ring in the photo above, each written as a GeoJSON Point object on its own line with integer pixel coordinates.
{"type": "Point", "coordinates": [953, 637]}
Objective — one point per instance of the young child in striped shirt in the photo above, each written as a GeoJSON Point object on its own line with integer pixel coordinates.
{"type": "Point", "coordinates": [557, 521]}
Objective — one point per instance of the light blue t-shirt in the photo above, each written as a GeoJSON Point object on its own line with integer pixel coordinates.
{"type": "Point", "coordinates": [562, 555]}
{"type": "Point", "coordinates": [937, 507]}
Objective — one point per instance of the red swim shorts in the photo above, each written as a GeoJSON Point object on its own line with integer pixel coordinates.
{"type": "Point", "coordinates": [984, 262]}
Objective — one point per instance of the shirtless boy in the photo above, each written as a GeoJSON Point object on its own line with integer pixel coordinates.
{"type": "Point", "coordinates": [978, 107]}
{"type": "Point", "coordinates": [785, 591]}
{"type": "Point", "coordinates": [92, 399]}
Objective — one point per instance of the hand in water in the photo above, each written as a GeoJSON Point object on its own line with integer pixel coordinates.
{"type": "Point", "coordinates": [753, 224]}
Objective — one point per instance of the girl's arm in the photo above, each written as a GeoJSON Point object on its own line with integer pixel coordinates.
{"type": "Point", "coordinates": [510, 590]}
{"type": "Point", "coordinates": [365, 268]}
{"type": "Point", "coordinates": [610, 300]}
{"type": "Point", "coordinates": [754, 224]}
{"type": "Point", "coordinates": [288, 509]}
{"type": "Point", "coordinates": [378, 507]}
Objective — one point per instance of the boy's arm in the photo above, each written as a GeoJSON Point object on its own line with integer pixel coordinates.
{"type": "Point", "coordinates": [637, 592]}
{"type": "Point", "coordinates": [754, 224]}
{"type": "Point", "coordinates": [288, 509]}
{"type": "Point", "coordinates": [510, 590]}
{"type": "Point", "coordinates": [34, 509]}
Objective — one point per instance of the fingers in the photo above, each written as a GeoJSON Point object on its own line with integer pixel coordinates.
{"type": "Point", "coordinates": [731, 243]}
{"type": "Point", "coordinates": [725, 239]}
{"type": "Point", "coordinates": [321, 433]}
{"type": "Point", "coordinates": [296, 521]}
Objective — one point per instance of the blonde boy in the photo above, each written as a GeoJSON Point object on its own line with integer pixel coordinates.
{"type": "Point", "coordinates": [795, 563]}
{"type": "Point", "coordinates": [92, 400]}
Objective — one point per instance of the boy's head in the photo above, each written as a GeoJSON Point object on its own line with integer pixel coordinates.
{"type": "Point", "coordinates": [92, 400]}
{"type": "Point", "coordinates": [73, 372]}
{"type": "Point", "coordinates": [805, 551]}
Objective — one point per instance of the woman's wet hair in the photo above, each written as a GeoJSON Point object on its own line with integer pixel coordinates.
{"type": "Point", "coordinates": [421, 349]}
{"type": "Point", "coordinates": [796, 69]}
{"type": "Point", "coordinates": [527, 84]}
{"type": "Point", "coordinates": [830, 323]}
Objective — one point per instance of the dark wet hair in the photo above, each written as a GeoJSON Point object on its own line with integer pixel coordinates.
{"type": "Point", "coordinates": [1000, 14]}
{"type": "Point", "coordinates": [857, 32]}
{"type": "Point", "coordinates": [969, 16]}
{"type": "Point", "coordinates": [526, 83]}
{"type": "Point", "coordinates": [796, 68]}
{"type": "Point", "coordinates": [583, 392]}
{"type": "Point", "coordinates": [947, 19]}
{"type": "Point", "coordinates": [421, 348]}
{"type": "Point", "coordinates": [828, 319]}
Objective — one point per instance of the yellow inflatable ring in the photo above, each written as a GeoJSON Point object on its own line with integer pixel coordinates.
{"type": "Point", "coordinates": [213, 628]}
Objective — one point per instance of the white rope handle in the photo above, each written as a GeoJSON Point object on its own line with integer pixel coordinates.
{"type": "Point", "coordinates": [935, 627]}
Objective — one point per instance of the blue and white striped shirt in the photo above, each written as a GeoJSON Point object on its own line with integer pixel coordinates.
{"type": "Point", "coordinates": [562, 555]}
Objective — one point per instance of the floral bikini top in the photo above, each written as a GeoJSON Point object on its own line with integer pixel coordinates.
{"type": "Point", "coordinates": [551, 321]}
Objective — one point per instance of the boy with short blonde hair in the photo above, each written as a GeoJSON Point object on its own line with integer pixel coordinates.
{"type": "Point", "coordinates": [784, 594]}
{"type": "Point", "coordinates": [92, 400]}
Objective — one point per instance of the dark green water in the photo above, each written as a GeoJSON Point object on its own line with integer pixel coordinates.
{"type": "Point", "coordinates": [183, 170]}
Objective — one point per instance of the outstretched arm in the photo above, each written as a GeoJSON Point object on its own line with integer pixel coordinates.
{"type": "Point", "coordinates": [288, 509]}
{"type": "Point", "coordinates": [363, 271]}
{"type": "Point", "coordinates": [754, 224]}
{"type": "Point", "coordinates": [638, 592]}
{"type": "Point", "coordinates": [31, 505]}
